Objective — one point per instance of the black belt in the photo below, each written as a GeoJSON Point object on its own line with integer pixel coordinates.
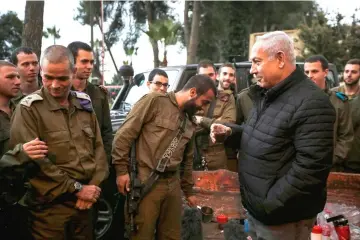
{"type": "Point", "coordinates": [165, 175]}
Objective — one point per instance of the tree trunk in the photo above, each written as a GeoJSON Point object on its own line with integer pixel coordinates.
{"type": "Point", "coordinates": [194, 35]}
{"type": "Point", "coordinates": [186, 24]}
{"type": "Point", "coordinates": [150, 18]}
{"type": "Point", "coordinates": [33, 26]}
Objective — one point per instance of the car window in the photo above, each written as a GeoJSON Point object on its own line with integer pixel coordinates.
{"type": "Point", "coordinates": [330, 79]}
{"type": "Point", "coordinates": [136, 92]}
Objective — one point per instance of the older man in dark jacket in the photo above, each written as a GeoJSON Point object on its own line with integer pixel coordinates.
{"type": "Point", "coordinates": [287, 145]}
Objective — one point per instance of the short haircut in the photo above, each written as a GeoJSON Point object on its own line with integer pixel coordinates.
{"type": "Point", "coordinates": [74, 47]}
{"type": "Point", "coordinates": [57, 54]}
{"type": "Point", "coordinates": [278, 41]}
{"type": "Point", "coordinates": [318, 58]}
{"type": "Point", "coordinates": [155, 72]}
{"type": "Point", "coordinates": [14, 59]}
{"type": "Point", "coordinates": [202, 83]}
{"type": "Point", "coordinates": [354, 61]}
{"type": "Point", "coordinates": [4, 63]}
{"type": "Point", "coordinates": [205, 64]}
{"type": "Point", "coordinates": [229, 65]}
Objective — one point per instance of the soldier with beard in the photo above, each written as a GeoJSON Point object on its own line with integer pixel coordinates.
{"type": "Point", "coordinates": [352, 91]}
{"type": "Point", "coordinates": [221, 110]}
{"type": "Point", "coordinates": [351, 87]}
{"type": "Point", "coordinates": [154, 122]}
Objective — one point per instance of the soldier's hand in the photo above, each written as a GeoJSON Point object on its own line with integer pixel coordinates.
{"type": "Point", "coordinates": [219, 132]}
{"type": "Point", "coordinates": [191, 201]}
{"type": "Point", "coordinates": [35, 149]}
{"type": "Point", "coordinates": [123, 183]}
{"type": "Point", "coordinates": [83, 205]}
{"type": "Point", "coordinates": [89, 193]}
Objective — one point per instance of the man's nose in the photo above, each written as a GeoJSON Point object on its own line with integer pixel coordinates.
{"type": "Point", "coordinates": [55, 84]}
{"type": "Point", "coordinates": [253, 69]}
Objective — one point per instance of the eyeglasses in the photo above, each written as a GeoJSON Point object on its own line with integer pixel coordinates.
{"type": "Point", "coordinates": [159, 84]}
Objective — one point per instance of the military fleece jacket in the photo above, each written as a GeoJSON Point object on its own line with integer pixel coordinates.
{"type": "Point", "coordinates": [287, 151]}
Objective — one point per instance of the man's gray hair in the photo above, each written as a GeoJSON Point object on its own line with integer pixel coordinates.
{"type": "Point", "coordinates": [57, 54]}
{"type": "Point", "coordinates": [278, 41]}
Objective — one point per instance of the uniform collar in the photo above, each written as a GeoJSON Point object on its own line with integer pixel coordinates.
{"type": "Point", "coordinates": [173, 98]}
{"type": "Point", "coordinates": [53, 105]}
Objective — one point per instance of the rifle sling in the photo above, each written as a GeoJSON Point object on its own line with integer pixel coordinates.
{"type": "Point", "coordinates": [162, 163]}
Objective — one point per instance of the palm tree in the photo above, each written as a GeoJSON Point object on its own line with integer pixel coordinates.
{"type": "Point", "coordinates": [167, 32]}
{"type": "Point", "coordinates": [52, 32]}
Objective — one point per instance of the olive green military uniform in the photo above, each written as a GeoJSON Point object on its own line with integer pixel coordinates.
{"type": "Point", "coordinates": [352, 164]}
{"type": "Point", "coordinates": [342, 90]}
{"type": "Point", "coordinates": [154, 122]}
{"type": "Point", "coordinates": [75, 153]}
{"type": "Point", "coordinates": [343, 129]}
{"type": "Point", "coordinates": [224, 112]}
{"type": "Point", "coordinates": [5, 129]}
{"type": "Point", "coordinates": [12, 221]}
{"type": "Point", "coordinates": [16, 100]}
{"type": "Point", "coordinates": [100, 104]}
{"type": "Point", "coordinates": [244, 104]}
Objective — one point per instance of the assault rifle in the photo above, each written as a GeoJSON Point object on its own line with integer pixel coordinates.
{"type": "Point", "coordinates": [134, 196]}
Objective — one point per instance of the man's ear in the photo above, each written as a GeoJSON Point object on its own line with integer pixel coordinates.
{"type": "Point", "coordinates": [192, 92]}
{"type": "Point", "coordinates": [280, 56]}
{"type": "Point", "coordinates": [148, 84]}
{"type": "Point", "coordinates": [74, 71]}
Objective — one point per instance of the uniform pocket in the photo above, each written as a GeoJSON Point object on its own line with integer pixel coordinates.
{"type": "Point", "coordinates": [166, 123]}
{"type": "Point", "coordinates": [59, 146]}
{"type": "Point", "coordinates": [89, 139]}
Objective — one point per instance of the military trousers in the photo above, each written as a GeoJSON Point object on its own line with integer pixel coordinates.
{"type": "Point", "coordinates": [160, 212]}
{"type": "Point", "coordinates": [61, 221]}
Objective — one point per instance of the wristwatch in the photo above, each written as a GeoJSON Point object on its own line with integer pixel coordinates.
{"type": "Point", "coordinates": [78, 186]}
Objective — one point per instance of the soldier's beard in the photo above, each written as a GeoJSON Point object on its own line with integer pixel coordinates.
{"type": "Point", "coordinates": [190, 107]}
{"type": "Point", "coordinates": [350, 84]}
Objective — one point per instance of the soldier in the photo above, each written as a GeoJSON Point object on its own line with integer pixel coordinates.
{"type": "Point", "coordinates": [84, 63]}
{"type": "Point", "coordinates": [351, 79]}
{"type": "Point", "coordinates": [206, 67]}
{"type": "Point", "coordinates": [316, 68]}
{"type": "Point", "coordinates": [154, 122]}
{"type": "Point", "coordinates": [158, 81]}
{"type": "Point", "coordinates": [352, 91]}
{"type": "Point", "coordinates": [222, 110]}
{"type": "Point", "coordinates": [62, 193]}
{"type": "Point", "coordinates": [28, 66]}
{"type": "Point", "coordinates": [11, 215]}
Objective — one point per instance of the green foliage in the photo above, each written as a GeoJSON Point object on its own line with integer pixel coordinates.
{"type": "Point", "coordinates": [337, 41]}
{"type": "Point", "coordinates": [225, 26]}
{"type": "Point", "coordinates": [53, 31]}
{"type": "Point", "coordinates": [117, 80]}
{"type": "Point", "coordinates": [10, 33]}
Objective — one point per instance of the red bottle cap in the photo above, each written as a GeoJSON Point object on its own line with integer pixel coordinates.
{"type": "Point", "coordinates": [317, 229]}
{"type": "Point", "coordinates": [222, 219]}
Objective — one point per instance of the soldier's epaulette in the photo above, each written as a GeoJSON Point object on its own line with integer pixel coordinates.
{"type": "Point", "coordinates": [81, 95]}
{"type": "Point", "coordinates": [341, 96]}
{"type": "Point", "coordinates": [28, 100]}
{"type": "Point", "coordinates": [85, 100]}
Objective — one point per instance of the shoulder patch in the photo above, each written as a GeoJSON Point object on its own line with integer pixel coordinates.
{"type": "Point", "coordinates": [28, 100]}
{"type": "Point", "coordinates": [82, 95]}
{"type": "Point", "coordinates": [341, 96]}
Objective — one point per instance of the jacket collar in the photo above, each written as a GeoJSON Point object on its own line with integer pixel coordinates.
{"type": "Point", "coordinates": [271, 94]}
{"type": "Point", "coordinates": [53, 105]}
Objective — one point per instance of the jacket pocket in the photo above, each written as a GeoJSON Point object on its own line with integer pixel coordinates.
{"type": "Point", "coordinates": [89, 139]}
{"type": "Point", "coordinates": [59, 146]}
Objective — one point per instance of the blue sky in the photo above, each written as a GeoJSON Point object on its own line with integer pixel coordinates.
{"type": "Point", "coordinates": [61, 13]}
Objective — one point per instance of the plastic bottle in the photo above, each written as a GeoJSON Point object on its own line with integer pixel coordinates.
{"type": "Point", "coordinates": [326, 232]}
{"type": "Point", "coordinates": [316, 233]}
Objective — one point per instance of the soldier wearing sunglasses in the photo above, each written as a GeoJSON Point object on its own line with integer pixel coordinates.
{"type": "Point", "coordinates": [158, 81]}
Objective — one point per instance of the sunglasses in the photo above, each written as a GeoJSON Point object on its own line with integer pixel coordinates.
{"type": "Point", "coordinates": [159, 84]}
